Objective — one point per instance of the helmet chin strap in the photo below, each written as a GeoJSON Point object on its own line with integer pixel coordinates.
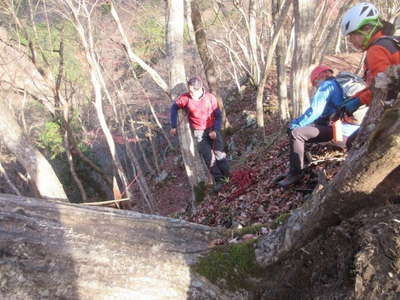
{"type": "Point", "coordinates": [367, 35]}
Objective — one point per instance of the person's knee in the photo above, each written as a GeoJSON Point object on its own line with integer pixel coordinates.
{"type": "Point", "coordinates": [296, 133]}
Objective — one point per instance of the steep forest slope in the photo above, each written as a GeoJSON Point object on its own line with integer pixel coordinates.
{"type": "Point", "coordinates": [46, 83]}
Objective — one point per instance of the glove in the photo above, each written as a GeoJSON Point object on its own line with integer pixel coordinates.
{"type": "Point", "coordinates": [290, 128]}
{"type": "Point", "coordinates": [351, 105]}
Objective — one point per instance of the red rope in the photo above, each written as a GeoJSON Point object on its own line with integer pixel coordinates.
{"type": "Point", "coordinates": [242, 179]}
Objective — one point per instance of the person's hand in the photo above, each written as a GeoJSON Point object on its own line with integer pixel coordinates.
{"type": "Point", "coordinates": [290, 128]}
{"type": "Point", "coordinates": [212, 135]}
{"type": "Point", "coordinates": [173, 131]}
{"type": "Point", "coordinates": [351, 105]}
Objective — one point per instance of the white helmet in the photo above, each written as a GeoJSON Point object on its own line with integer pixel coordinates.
{"type": "Point", "coordinates": [359, 15]}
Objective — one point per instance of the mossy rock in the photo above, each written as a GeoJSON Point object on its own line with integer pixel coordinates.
{"type": "Point", "coordinates": [232, 267]}
{"type": "Point", "coordinates": [280, 220]}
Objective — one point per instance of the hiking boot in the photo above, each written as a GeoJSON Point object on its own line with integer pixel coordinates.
{"type": "Point", "coordinates": [279, 178]}
{"type": "Point", "coordinates": [218, 187]}
{"type": "Point", "coordinates": [289, 180]}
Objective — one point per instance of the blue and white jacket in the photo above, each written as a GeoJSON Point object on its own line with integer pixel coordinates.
{"type": "Point", "coordinates": [325, 102]}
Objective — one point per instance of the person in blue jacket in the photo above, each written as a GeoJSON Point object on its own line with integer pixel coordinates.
{"type": "Point", "coordinates": [313, 125]}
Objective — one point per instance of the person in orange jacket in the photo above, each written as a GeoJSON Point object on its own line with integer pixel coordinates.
{"type": "Point", "coordinates": [368, 32]}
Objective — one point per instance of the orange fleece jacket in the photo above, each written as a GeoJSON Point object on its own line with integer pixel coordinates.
{"type": "Point", "coordinates": [379, 57]}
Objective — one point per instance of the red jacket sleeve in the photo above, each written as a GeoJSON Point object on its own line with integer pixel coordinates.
{"type": "Point", "coordinates": [376, 61]}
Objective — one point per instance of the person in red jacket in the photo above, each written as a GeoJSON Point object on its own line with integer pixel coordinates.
{"type": "Point", "coordinates": [205, 120]}
{"type": "Point", "coordinates": [368, 32]}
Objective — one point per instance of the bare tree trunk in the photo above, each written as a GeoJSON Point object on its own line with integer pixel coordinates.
{"type": "Point", "coordinates": [249, 45]}
{"type": "Point", "coordinates": [351, 189]}
{"type": "Point", "coordinates": [195, 168]}
{"type": "Point", "coordinates": [282, 48]}
{"type": "Point", "coordinates": [208, 62]}
{"type": "Point", "coordinates": [10, 183]}
{"type": "Point", "coordinates": [139, 144]}
{"type": "Point", "coordinates": [62, 113]}
{"type": "Point", "coordinates": [139, 175]}
{"type": "Point", "coordinates": [140, 178]}
{"type": "Point", "coordinates": [268, 61]}
{"type": "Point", "coordinates": [154, 115]}
{"type": "Point", "coordinates": [289, 55]}
{"type": "Point", "coordinates": [255, 67]}
{"type": "Point", "coordinates": [304, 16]}
{"type": "Point", "coordinates": [74, 175]}
{"type": "Point", "coordinates": [188, 18]}
{"type": "Point", "coordinates": [332, 33]}
{"type": "Point", "coordinates": [37, 166]}
{"type": "Point", "coordinates": [338, 42]}
{"type": "Point", "coordinates": [89, 163]}
{"type": "Point", "coordinates": [153, 149]}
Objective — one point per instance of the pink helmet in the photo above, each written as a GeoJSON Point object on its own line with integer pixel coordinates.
{"type": "Point", "coordinates": [317, 71]}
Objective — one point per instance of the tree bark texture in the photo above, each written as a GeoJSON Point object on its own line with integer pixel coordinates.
{"type": "Point", "coordinates": [207, 60]}
{"type": "Point", "coordinates": [253, 41]}
{"type": "Point", "coordinates": [195, 168]}
{"type": "Point", "coordinates": [188, 18]}
{"type": "Point", "coordinates": [281, 48]}
{"type": "Point", "coordinates": [34, 162]}
{"type": "Point", "coordinates": [268, 60]}
{"type": "Point", "coordinates": [351, 189]}
{"type": "Point", "coordinates": [50, 250]}
{"type": "Point", "coordinates": [304, 16]}
{"type": "Point", "coordinates": [284, 111]}
{"type": "Point", "coordinates": [330, 36]}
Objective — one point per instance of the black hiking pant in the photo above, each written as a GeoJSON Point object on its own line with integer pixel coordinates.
{"type": "Point", "coordinates": [297, 139]}
{"type": "Point", "coordinates": [213, 153]}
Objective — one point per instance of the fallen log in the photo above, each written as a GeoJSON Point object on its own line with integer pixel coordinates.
{"type": "Point", "coordinates": [58, 250]}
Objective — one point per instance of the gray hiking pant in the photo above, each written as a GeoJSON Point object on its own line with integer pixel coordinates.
{"type": "Point", "coordinates": [297, 139]}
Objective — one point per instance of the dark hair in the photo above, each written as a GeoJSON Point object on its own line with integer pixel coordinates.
{"type": "Point", "coordinates": [195, 82]}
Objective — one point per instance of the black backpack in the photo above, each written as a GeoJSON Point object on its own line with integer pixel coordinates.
{"type": "Point", "coordinates": [387, 41]}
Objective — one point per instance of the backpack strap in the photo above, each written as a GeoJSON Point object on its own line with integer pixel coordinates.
{"type": "Point", "coordinates": [391, 43]}
{"type": "Point", "coordinates": [340, 88]}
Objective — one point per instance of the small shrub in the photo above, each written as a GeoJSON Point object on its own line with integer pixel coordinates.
{"type": "Point", "coordinates": [51, 140]}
